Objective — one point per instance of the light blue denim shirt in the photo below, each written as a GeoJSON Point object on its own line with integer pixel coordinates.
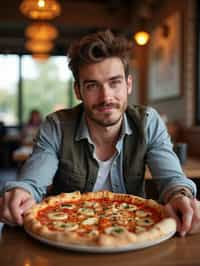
{"type": "Point", "coordinates": [39, 170]}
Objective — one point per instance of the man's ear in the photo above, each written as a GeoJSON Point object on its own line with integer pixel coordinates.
{"type": "Point", "coordinates": [129, 83]}
{"type": "Point", "coordinates": [77, 90]}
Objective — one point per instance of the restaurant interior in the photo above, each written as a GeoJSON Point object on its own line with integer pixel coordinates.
{"type": "Point", "coordinates": [35, 80]}
{"type": "Point", "coordinates": [35, 75]}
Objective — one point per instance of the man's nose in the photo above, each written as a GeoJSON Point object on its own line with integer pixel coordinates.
{"type": "Point", "coordinates": [105, 92]}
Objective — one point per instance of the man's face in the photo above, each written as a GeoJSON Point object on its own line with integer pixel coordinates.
{"type": "Point", "coordinates": [104, 91]}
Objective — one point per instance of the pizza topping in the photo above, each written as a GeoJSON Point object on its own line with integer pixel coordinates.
{"type": "Point", "coordinates": [145, 221]}
{"type": "Point", "coordinates": [91, 204]}
{"type": "Point", "coordinates": [67, 226]}
{"type": "Point", "coordinates": [67, 206]}
{"type": "Point", "coordinates": [143, 213]}
{"type": "Point", "coordinates": [114, 230]}
{"type": "Point", "coordinates": [127, 206]}
{"type": "Point", "coordinates": [90, 221]}
{"type": "Point", "coordinates": [124, 205]}
{"type": "Point", "coordinates": [86, 211]}
{"type": "Point", "coordinates": [132, 207]}
{"type": "Point", "coordinates": [93, 233]}
{"type": "Point", "coordinates": [57, 215]}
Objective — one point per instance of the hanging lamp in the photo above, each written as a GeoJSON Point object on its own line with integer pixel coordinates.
{"type": "Point", "coordinates": [39, 47]}
{"type": "Point", "coordinates": [40, 9]}
{"type": "Point", "coordinates": [141, 37]}
{"type": "Point", "coordinates": [41, 31]}
{"type": "Point", "coordinates": [40, 57]}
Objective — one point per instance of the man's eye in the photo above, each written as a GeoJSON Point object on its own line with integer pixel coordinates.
{"type": "Point", "coordinates": [92, 86]}
{"type": "Point", "coordinates": [115, 83]}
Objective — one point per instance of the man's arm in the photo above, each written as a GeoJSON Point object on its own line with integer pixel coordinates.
{"type": "Point", "coordinates": [177, 191]}
{"type": "Point", "coordinates": [162, 161]}
{"type": "Point", "coordinates": [38, 171]}
{"type": "Point", "coordinates": [35, 176]}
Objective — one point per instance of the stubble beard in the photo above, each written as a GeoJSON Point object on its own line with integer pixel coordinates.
{"type": "Point", "coordinates": [106, 120]}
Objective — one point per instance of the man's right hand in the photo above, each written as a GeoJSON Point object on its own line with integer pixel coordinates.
{"type": "Point", "coordinates": [13, 204]}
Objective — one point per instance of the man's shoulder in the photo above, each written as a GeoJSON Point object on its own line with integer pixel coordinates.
{"type": "Point", "coordinates": [140, 107]}
{"type": "Point", "coordinates": [66, 114]}
{"type": "Point", "coordinates": [140, 110]}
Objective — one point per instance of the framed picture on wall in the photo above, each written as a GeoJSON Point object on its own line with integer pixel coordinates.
{"type": "Point", "coordinates": [164, 75]}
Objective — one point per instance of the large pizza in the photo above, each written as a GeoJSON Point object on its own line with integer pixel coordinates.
{"type": "Point", "coordinates": [100, 219]}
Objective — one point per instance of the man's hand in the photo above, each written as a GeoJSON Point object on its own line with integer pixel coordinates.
{"type": "Point", "coordinates": [186, 212]}
{"type": "Point", "coordinates": [13, 204]}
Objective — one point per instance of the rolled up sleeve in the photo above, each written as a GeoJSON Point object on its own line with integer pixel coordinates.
{"type": "Point", "coordinates": [38, 171]}
{"type": "Point", "coordinates": [161, 159]}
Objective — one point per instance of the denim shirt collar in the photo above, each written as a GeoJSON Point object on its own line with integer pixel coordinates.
{"type": "Point", "coordinates": [83, 131]}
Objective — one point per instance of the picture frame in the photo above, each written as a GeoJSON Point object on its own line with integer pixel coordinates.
{"type": "Point", "coordinates": [164, 74]}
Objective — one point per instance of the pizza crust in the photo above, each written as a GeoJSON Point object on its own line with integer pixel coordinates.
{"type": "Point", "coordinates": [115, 238]}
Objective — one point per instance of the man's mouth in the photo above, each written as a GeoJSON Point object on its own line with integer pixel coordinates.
{"type": "Point", "coordinates": [106, 107]}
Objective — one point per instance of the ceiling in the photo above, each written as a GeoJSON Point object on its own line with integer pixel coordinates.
{"type": "Point", "coordinates": [78, 17]}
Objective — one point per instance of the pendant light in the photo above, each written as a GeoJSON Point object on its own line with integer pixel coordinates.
{"type": "Point", "coordinates": [40, 9]}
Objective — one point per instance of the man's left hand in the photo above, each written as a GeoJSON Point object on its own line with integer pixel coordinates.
{"type": "Point", "coordinates": [186, 212]}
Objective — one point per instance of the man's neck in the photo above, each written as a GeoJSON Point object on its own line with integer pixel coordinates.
{"type": "Point", "coordinates": [104, 138]}
{"type": "Point", "coordinates": [101, 135]}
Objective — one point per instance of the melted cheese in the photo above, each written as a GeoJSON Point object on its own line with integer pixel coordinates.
{"type": "Point", "coordinates": [93, 233]}
{"type": "Point", "coordinates": [144, 221]}
{"type": "Point", "coordinates": [114, 230]}
{"type": "Point", "coordinates": [66, 226]}
{"type": "Point", "coordinates": [128, 207]}
{"type": "Point", "coordinates": [90, 221]}
{"type": "Point", "coordinates": [57, 215]}
{"type": "Point", "coordinates": [141, 213]}
{"type": "Point", "coordinates": [67, 206]}
{"type": "Point", "coordinates": [86, 211]}
{"type": "Point", "coordinates": [91, 204]}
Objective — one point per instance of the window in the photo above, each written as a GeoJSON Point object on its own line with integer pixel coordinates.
{"type": "Point", "coordinates": [9, 78]}
{"type": "Point", "coordinates": [46, 86]}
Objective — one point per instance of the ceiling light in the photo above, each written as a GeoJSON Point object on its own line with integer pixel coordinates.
{"type": "Point", "coordinates": [40, 9]}
{"type": "Point", "coordinates": [41, 31]}
{"type": "Point", "coordinates": [141, 37]}
{"type": "Point", "coordinates": [40, 57]}
{"type": "Point", "coordinates": [39, 47]}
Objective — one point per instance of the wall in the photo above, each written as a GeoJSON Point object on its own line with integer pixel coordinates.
{"type": "Point", "coordinates": [179, 109]}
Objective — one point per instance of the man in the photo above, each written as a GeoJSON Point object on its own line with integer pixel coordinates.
{"type": "Point", "coordinates": [102, 143]}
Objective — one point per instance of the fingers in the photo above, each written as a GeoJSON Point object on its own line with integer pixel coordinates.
{"type": "Point", "coordinates": [6, 215]}
{"type": "Point", "coordinates": [182, 208]}
{"type": "Point", "coordinates": [15, 208]}
{"type": "Point", "coordinates": [169, 211]}
{"type": "Point", "coordinates": [187, 216]}
{"type": "Point", "coordinates": [13, 205]}
{"type": "Point", "coordinates": [195, 228]}
{"type": "Point", "coordinates": [27, 204]}
{"type": "Point", "coordinates": [3, 220]}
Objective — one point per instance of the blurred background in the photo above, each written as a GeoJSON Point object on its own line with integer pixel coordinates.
{"type": "Point", "coordinates": [34, 39]}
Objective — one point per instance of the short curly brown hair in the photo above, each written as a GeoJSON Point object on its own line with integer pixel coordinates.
{"type": "Point", "coordinates": [96, 47]}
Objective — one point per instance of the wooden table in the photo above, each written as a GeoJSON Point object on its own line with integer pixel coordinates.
{"type": "Point", "coordinates": [22, 153]}
{"type": "Point", "coordinates": [19, 249]}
